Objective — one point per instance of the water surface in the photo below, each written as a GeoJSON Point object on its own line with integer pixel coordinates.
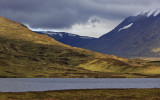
{"type": "Point", "coordinates": [45, 84]}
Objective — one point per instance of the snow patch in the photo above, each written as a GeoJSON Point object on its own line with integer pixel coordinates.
{"type": "Point", "coordinates": [53, 33]}
{"type": "Point", "coordinates": [125, 27]}
{"type": "Point", "coordinates": [64, 33]}
{"type": "Point", "coordinates": [60, 34]}
{"type": "Point", "coordinates": [157, 12]}
{"type": "Point", "coordinates": [86, 37]}
{"type": "Point", "coordinates": [153, 12]}
{"type": "Point", "coordinates": [71, 34]}
{"type": "Point", "coordinates": [48, 33]}
{"type": "Point", "coordinates": [149, 13]}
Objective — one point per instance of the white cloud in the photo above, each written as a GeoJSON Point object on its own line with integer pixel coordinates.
{"type": "Point", "coordinates": [94, 27]}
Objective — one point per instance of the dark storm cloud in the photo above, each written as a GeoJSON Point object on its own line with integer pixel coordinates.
{"type": "Point", "coordinates": [64, 13]}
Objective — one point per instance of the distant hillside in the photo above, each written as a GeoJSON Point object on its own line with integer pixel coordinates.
{"type": "Point", "coordinates": [69, 38]}
{"type": "Point", "coordinates": [136, 36]}
{"type": "Point", "coordinates": [24, 53]}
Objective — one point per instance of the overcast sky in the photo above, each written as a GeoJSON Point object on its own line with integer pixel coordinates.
{"type": "Point", "coordinates": [83, 17]}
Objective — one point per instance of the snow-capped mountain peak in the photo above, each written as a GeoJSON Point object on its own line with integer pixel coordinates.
{"type": "Point", "coordinates": [157, 12]}
{"type": "Point", "coordinates": [69, 38]}
{"type": "Point", "coordinates": [70, 34]}
{"type": "Point", "coordinates": [153, 12]}
{"type": "Point", "coordinates": [135, 36]}
{"type": "Point", "coordinates": [53, 33]}
{"type": "Point", "coordinates": [60, 34]}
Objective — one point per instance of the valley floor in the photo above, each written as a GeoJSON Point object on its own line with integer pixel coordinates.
{"type": "Point", "coordinates": [100, 94]}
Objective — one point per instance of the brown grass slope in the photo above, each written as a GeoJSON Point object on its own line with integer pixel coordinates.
{"type": "Point", "coordinates": [93, 94]}
{"type": "Point", "coordinates": [24, 53]}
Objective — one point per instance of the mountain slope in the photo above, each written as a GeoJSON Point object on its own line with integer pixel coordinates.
{"type": "Point", "coordinates": [68, 38]}
{"type": "Point", "coordinates": [24, 53]}
{"type": "Point", "coordinates": [136, 36]}
{"type": "Point", "coordinates": [28, 54]}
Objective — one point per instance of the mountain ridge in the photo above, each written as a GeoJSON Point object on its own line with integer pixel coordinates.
{"type": "Point", "coordinates": [141, 39]}
{"type": "Point", "coordinates": [68, 38]}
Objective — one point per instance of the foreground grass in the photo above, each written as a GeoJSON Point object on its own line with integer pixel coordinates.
{"type": "Point", "coordinates": [108, 94]}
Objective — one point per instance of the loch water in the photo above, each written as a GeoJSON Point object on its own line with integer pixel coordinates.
{"type": "Point", "coordinates": [45, 84]}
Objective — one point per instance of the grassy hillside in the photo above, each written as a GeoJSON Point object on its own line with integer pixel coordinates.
{"type": "Point", "coordinates": [24, 53]}
{"type": "Point", "coordinates": [108, 94]}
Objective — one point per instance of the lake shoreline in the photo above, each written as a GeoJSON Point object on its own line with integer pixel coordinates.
{"type": "Point", "coordinates": [85, 94]}
{"type": "Point", "coordinates": [83, 90]}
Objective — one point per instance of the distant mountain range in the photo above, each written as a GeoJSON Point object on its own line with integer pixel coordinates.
{"type": "Point", "coordinates": [69, 38]}
{"type": "Point", "coordinates": [136, 36]}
